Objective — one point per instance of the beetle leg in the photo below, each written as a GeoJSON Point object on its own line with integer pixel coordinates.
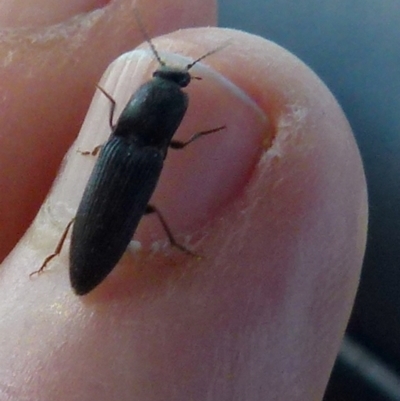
{"type": "Point", "coordinates": [113, 104]}
{"type": "Point", "coordinates": [181, 145]}
{"type": "Point", "coordinates": [56, 251]}
{"type": "Point", "coordinates": [97, 149]}
{"type": "Point", "coordinates": [173, 242]}
{"type": "Point", "coordinates": [93, 152]}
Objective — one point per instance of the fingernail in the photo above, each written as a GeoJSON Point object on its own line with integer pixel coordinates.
{"type": "Point", "coordinates": [17, 14]}
{"type": "Point", "coordinates": [197, 180]}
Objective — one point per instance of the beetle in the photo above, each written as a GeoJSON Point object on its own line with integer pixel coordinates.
{"type": "Point", "coordinates": [126, 173]}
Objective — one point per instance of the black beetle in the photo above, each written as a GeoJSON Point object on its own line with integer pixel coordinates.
{"type": "Point", "coordinates": [126, 174]}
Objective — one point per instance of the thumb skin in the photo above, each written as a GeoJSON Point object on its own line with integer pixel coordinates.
{"type": "Point", "coordinates": [277, 207]}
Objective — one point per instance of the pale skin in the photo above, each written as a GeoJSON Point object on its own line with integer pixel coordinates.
{"type": "Point", "coordinates": [276, 204]}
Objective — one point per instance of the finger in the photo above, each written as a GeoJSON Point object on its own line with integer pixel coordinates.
{"type": "Point", "coordinates": [262, 314]}
{"type": "Point", "coordinates": [47, 79]}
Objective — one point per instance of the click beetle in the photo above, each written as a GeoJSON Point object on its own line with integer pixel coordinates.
{"type": "Point", "coordinates": [126, 174]}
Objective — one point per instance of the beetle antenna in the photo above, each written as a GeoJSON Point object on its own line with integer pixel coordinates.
{"type": "Point", "coordinates": [217, 49]}
{"type": "Point", "coordinates": [147, 37]}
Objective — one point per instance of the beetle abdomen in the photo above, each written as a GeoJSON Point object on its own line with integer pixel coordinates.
{"type": "Point", "coordinates": [112, 205]}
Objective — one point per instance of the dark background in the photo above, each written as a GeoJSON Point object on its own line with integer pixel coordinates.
{"type": "Point", "coordinates": [354, 46]}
